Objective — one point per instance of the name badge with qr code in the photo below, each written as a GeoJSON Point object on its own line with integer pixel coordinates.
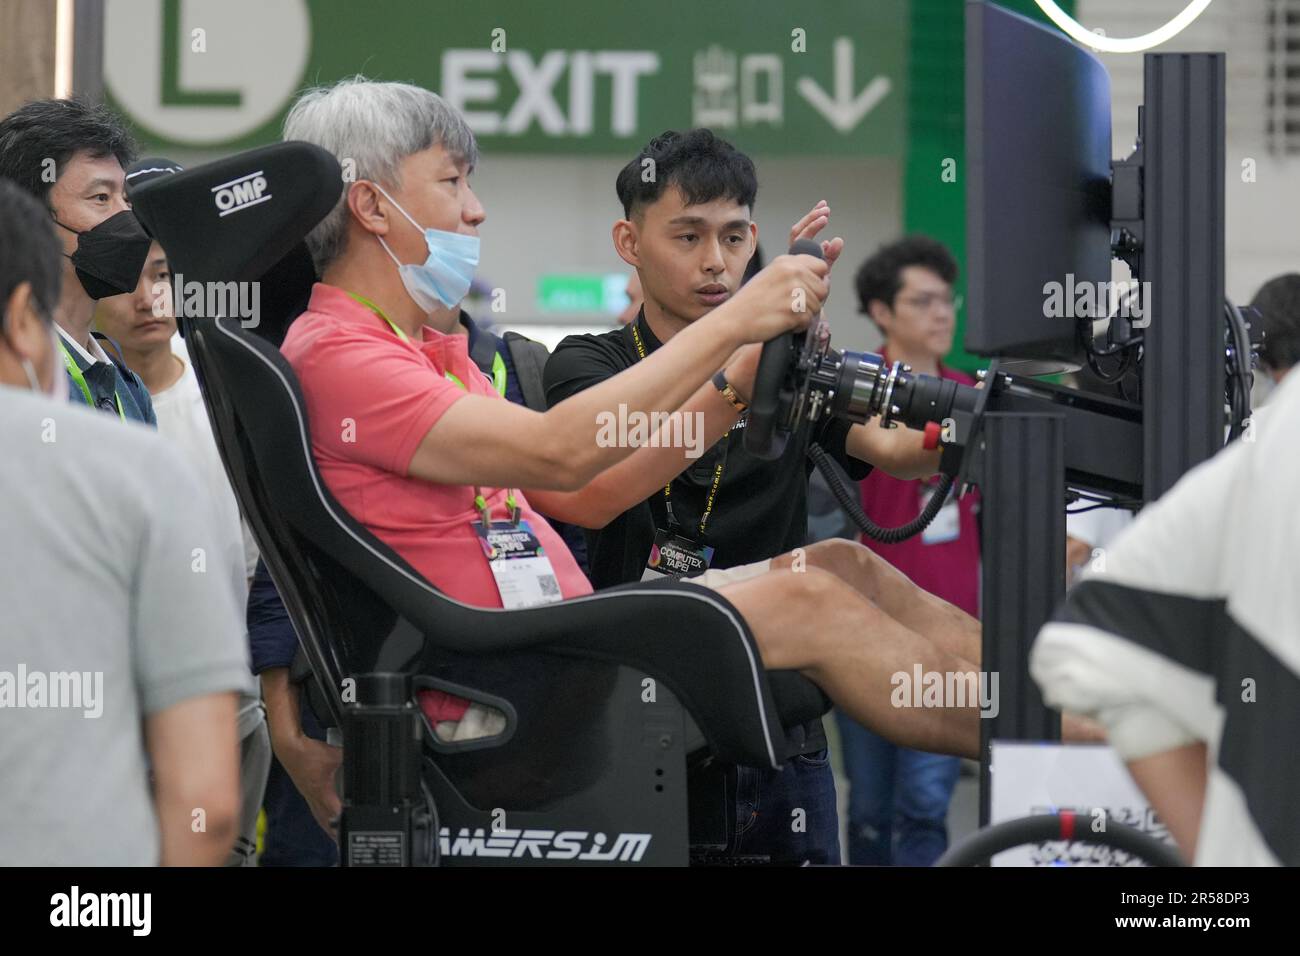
{"type": "Point", "coordinates": [522, 570]}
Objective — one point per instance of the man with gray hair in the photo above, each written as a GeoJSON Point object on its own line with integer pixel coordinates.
{"type": "Point", "coordinates": [370, 127]}
{"type": "Point", "coordinates": [514, 364]}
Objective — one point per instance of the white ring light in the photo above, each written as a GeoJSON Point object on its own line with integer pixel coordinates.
{"type": "Point", "coordinates": [1156, 37]}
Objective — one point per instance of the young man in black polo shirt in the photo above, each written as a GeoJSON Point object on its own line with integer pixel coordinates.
{"type": "Point", "coordinates": [689, 234]}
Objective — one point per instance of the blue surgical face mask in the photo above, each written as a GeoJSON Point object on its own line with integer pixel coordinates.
{"type": "Point", "coordinates": [444, 277]}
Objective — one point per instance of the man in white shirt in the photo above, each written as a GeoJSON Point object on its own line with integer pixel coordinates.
{"type": "Point", "coordinates": [143, 325]}
{"type": "Point", "coordinates": [1185, 645]}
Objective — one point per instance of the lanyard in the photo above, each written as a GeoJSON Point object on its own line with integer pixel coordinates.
{"type": "Point", "coordinates": [80, 379]}
{"type": "Point", "coordinates": [717, 471]}
{"type": "Point", "coordinates": [498, 365]}
{"type": "Point", "coordinates": [480, 503]}
{"type": "Point", "coordinates": [499, 374]}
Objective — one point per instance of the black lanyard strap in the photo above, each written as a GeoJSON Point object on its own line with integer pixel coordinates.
{"type": "Point", "coordinates": [718, 470]}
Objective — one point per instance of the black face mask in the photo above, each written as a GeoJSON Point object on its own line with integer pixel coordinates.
{"type": "Point", "coordinates": [110, 257]}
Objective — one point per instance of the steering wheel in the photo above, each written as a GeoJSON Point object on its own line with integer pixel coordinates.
{"type": "Point", "coordinates": [766, 429]}
{"type": "Point", "coordinates": [983, 845]}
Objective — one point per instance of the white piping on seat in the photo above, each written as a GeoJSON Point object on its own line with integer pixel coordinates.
{"type": "Point", "coordinates": [421, 582]}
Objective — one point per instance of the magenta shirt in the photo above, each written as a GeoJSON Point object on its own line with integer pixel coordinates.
{"type": "Point", "coordinates": [949, 570]}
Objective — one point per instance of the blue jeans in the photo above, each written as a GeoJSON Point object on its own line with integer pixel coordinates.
{"type": "Point", "coordinates": [789, 814]}
{"type": "Point", "coordinates": [898, 799]}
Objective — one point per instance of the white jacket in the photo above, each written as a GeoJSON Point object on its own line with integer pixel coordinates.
{"type": "Point", "coordinates": [1188, 628]}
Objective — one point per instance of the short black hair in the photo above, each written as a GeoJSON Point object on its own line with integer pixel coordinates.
{"type": "Point", "coordinates": [703, 166]}
{"type": "Point", "coordinates": [29, 249]}
{"type": "Point", "coordinates": [881, 276]}
{"type": "Point", "coordinates": [57, 130]}
{"type": "Point", "coordinates": [1278, 300]}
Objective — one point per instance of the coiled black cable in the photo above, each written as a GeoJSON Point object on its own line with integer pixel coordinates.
{"type": "Point", "coordinates": [848, 501]}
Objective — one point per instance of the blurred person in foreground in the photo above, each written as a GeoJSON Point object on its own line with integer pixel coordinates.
{"type": "Point", "coordinates": [120, 658]}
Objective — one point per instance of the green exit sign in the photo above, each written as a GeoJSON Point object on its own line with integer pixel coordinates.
{"type": "Point", "coordinates": [583, 294]}
{"type": "Point", "coordinates": [582, 76]}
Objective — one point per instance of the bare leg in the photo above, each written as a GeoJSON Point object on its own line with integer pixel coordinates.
{"type": "Point", "coordinates": [943, 624]}
{"type": "Point", "coordinates": [816, 623]}
{"type": "Point", "coordinates": [894, 593]}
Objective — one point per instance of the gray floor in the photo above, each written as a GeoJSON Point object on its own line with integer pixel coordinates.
{"type": "Point", "coordinates": [963, 812]}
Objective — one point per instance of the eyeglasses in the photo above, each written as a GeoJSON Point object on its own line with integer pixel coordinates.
{"type": "Point", "coordinates": [929, 300]}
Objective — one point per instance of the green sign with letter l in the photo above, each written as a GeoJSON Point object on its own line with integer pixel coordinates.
{"type": "Point", "coordinates": [583, 76]}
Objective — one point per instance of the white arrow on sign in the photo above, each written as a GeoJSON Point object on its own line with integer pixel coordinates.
{"type": "Point", "coordinates": [843, 110]}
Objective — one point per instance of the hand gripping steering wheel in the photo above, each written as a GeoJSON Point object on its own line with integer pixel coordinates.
{"type": "Point", "coordinates": [767, 428]}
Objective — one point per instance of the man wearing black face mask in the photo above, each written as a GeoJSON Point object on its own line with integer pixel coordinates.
{"type": "Point", "coordinates": [146, 655]}
{"type": "Point", "coordinates": [72, 156]}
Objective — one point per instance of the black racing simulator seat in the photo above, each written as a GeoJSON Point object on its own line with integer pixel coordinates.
{"type": "Point", "coordinates": [611, 700]}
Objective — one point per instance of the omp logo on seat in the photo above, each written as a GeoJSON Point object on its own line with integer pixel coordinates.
{"type": "Point", "coordinates": [239, 194]}
{"type": "Point", "coordinates": [544, 845]}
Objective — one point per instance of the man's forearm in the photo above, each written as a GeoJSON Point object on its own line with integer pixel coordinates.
{"type": "Point", "coordinates": [193, 750]}
{"type": "Point", "coordinates": [899, 452]}
{"type": "Point", "coordinates": [283, 717]}
{"type": "Point", "coordinates": [182, 845]}
{"type": "Point", "coordinates": [697, 426]}
{"type": "Point", "coordinates": [1174, 781]}
{"type": "Point", "coordinates": [663, 382]}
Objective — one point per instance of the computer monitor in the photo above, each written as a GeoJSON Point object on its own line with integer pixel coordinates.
{"type": "Point", "coordinates": [1038, 131]}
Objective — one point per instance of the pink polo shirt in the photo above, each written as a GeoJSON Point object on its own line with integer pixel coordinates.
{"type": "Point", "coordinates": [371, 398]}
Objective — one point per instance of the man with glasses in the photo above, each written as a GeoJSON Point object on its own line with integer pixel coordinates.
{"type": "Point", "coordinates": [898, 797]}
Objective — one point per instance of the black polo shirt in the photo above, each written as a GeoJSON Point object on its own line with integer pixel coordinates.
{"type": "Point", "coordinates": [761, 507]}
